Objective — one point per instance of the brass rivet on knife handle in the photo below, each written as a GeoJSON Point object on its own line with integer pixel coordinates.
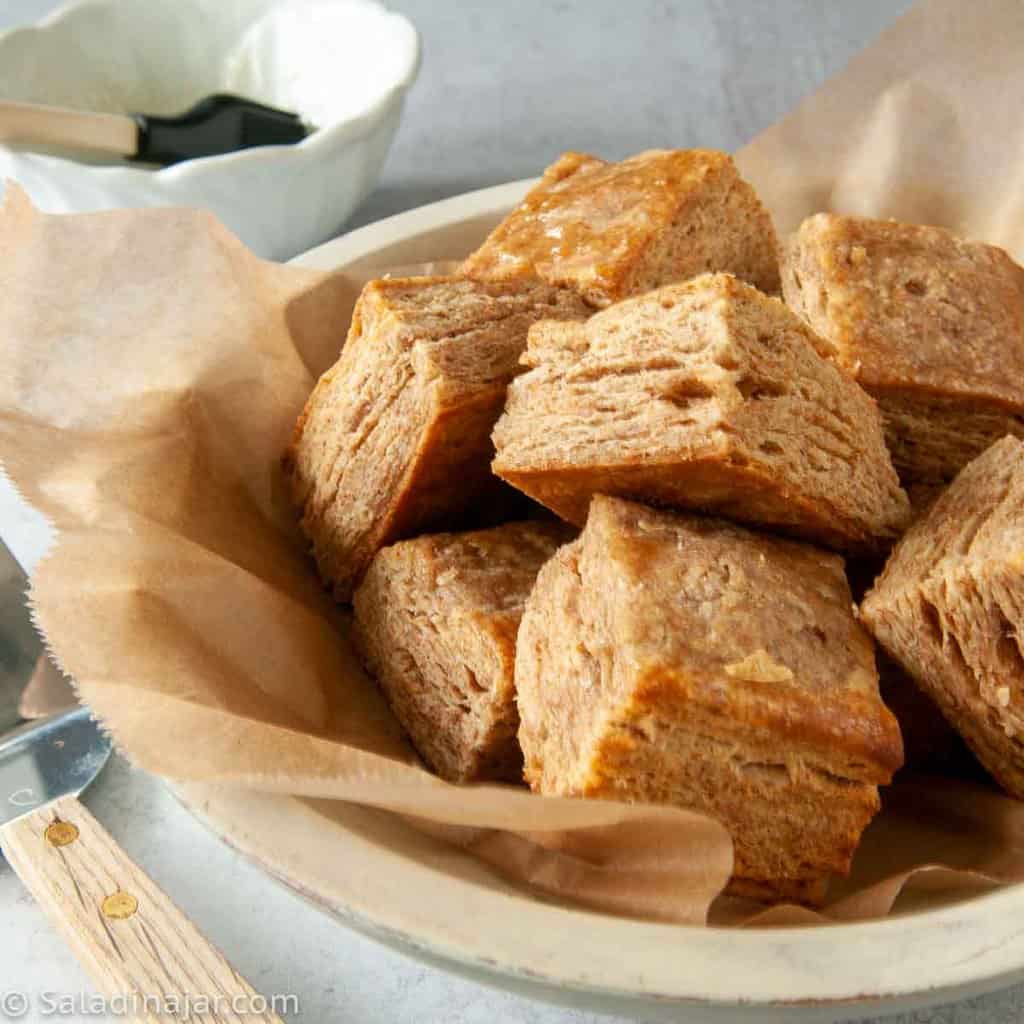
{"type": "Point", "coordinates": [61, 833]}
{"type": "Point", "coordinates": [120, 905]}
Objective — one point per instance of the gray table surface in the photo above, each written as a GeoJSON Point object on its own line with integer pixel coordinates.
{"type": "Point", "coordinates": [504, 87]}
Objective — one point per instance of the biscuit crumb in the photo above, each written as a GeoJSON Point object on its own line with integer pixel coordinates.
{"type": "Point", "coordinates": [759, 667]}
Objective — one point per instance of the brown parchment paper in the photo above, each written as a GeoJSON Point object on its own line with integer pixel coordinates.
{"type": "Point", "coordinates": [152, 371]}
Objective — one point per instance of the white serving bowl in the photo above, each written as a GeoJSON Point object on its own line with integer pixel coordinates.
{"type": "Point", "coordinates": [441, 904]}
{"type": "Point", "coordinates": [342, 65]}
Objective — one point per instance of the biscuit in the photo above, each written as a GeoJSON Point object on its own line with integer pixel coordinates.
{"type": "Point", "coordinates": [949, 607]}
{"type": "Point", "coordinates": [395, 438]}
{"type": "Point", "coordinates": [611, 230]}
{"type": "Point", "coordinates": [435, 623]}
{"type": "Point", "coordinates": [706, 395]}
{"type": "Point", "coordinates": [675, 659]}
{"type": "Point", "coordinates": [930, 325]}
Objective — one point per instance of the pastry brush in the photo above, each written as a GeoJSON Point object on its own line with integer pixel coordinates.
{"type": "Point", "coordinates": [220, 123]}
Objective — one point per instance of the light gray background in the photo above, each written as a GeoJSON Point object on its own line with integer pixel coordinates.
{"type": "Point", "coordinates": [504, 87]}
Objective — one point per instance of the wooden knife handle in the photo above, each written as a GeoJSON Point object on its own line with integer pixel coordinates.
{"type": "Point", "coordinates": [35, 124]}
{"type": "Point", "coordinates": [133, 941]}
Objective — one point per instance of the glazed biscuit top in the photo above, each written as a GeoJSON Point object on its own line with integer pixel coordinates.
{"type": "Point", "coordinates": [732, 604]}
{"type": "Point", "coordinates": [743, 620]}
{"type": "Point", "coordinates": [911, 306]}
{"type": "Point", "coordinates": [592, 217]}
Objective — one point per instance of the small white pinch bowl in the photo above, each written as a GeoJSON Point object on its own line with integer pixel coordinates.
{"type": "Point", "coordinates": [343, 65]}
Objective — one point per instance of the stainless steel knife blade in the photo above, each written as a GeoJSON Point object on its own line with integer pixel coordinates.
{"type": "Point", "coordinates": [57, 756]}
{"type": "Point", "coordinates": [44, 760]}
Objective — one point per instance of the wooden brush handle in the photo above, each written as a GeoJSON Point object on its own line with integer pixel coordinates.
{"type": "Point", "coordinates": [34, 124]}
{"type": "Point", "coordinates": [132, 940]}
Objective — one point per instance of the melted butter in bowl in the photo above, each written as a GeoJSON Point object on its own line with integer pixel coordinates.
{"type": "Point", "coordinates": [343, 66]}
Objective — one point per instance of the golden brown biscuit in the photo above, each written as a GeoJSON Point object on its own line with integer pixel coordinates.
{"type": "Point", "coordinates": [614, 230]}
{"type": "Point", "coordinates": [932, 326]}
{"type": "Point", "coordinates": [949, 607]}
{"type": "Point", "coordinates": [674, 659]}
{"type": "Point", "coordinates": [396, 436]}
{"type": "Point", "coordinates": [705, 395]}
{"type": "Point", "coordinates": [435, 622]}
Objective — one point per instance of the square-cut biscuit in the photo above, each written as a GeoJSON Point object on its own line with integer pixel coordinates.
{"type": "Point", "coordinates": [395, 438]}
{"type": "Point", "coordinates": [435, 622]}
{"type": "Point", "coordinates": [930, 325]}
{"type": "Point", "coordinates": [949, 607]}
{"type": "Point", "coordinates": [705, 395]}
{"type": "Point", "coordinates": [669, 658]}
{"type": "Point", "coordinates": [611, 230]}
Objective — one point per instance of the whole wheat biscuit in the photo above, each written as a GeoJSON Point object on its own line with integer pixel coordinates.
{"type": "Point", "coordinates": [395, 438]}
{"type": "Point", "coordinates": [435, 622]}
{"type": "Point", "coordinates": [706, 395]}
{"type": "Point", "coordinates": [930, 325]}
{"type": "Point", "coordinates": [675, 659]}
{"type": "Point", "coordinates": [611, 230]}
{"type": "Point", "coordinates": [949, 607]}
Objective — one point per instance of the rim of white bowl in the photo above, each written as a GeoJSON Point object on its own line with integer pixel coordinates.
{"type": "Point", "coordinates": [363, 242]}
{"type": "Point", "coordinates": [516, 940]}
{"type": "Point", "coordinates": [349, 130]}
{"type": "Point", "coordinates": [984, 962]}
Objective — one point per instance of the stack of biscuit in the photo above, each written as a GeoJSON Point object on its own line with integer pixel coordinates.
{"type": "Point", "coordinates": [673, 622]}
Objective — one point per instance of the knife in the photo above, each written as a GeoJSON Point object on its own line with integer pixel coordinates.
{"type": "Point", "coordinates": [139, 948]}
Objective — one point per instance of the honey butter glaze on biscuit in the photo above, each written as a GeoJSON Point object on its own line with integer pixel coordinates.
{"type": "Point", "coordinates": [436, 620]}
{"type": "Point", "coordinates": [396, 435]}
{"type": "Point", "coordinates": [949, 607]}
{"type": "Point", "coordinates": [611, 230]}
{"type": "Point", "coordinates": [705, 395]}
{"type": "Point", "coordinates": [674, 659]}
{"type": "Point", "coordinates": [932, 326]}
